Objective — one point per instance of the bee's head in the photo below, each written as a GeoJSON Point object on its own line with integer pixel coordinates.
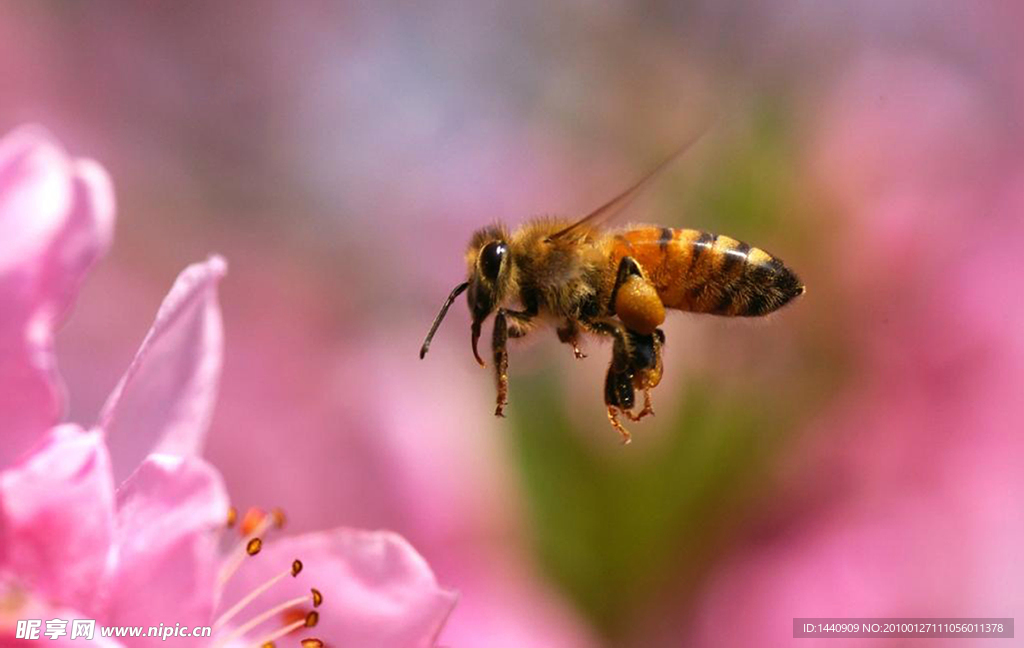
{"type": "Point", "coordinates": [488, 262]}
{"type": "Point", "coordinates": [489, 279]}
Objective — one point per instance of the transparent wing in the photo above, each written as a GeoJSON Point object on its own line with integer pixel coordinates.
{"type": "Point", "coordinates": [617, 204]}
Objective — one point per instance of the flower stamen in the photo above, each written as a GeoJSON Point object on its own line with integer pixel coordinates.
{"type": "Point", "coordinates": [253, 525]}
{"type": "Point", "coordinates": [245, 549]}
{"type": "Point", "coordinates": [309, 621]}
{"type": "Point", "coordinates": [292, 571]}
{"type": "Point", "coordinates": [312, 617]}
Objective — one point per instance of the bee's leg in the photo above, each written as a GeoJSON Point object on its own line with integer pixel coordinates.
{"type": "Point", "coordinates": [618, 384]}
{"type": "Point", "coordinates": [619, 394]}
{"type": "Point", "coordinates": [507, 323]}
{"type": "Point", "coordinates": [613, 418]}
{"type": "Point", "coordinates": [499, 343]}
{"type": "Point", "coordinates": [636, 364]}
{"type": "Point", "coordinates": [647, 410]}
{"type": "Point", "coordinates": [608, 327]}
{"type": "Point", "coordinates": [635, 300]}
{"type": "Point", "coordinates": [570, 334]}
{"type": "Point", "coordinates": [628, 267]}
{"type": "Point", "coordinates": [646, 361]}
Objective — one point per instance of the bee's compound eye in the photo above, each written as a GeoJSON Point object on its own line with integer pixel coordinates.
{"type": "Point", "coordinates": [491, 257]}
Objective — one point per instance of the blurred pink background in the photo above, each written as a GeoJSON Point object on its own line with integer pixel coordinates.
{"type": "Point", "coordinates": [859, 454]}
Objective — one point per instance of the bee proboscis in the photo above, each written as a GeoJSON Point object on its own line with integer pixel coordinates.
{"type": "Point", "coordinates": [609, 282]}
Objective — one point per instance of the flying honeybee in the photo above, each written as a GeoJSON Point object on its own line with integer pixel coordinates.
{"type": "Point", "coordinates": [611, 282]}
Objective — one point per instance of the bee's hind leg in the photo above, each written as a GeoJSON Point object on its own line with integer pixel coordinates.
{"type": "Point", "coordinates": [648, 409]}
{"type": "Point", "coordinates": [619, 394]}
{"type": "Point", "coordinates": [635, 300]}
{"type": "Point", "coordinates": [645, 359]}
{"type": "Point", "coordinates": [636, 364]}
{"type": "Point", "coordinates": [613, 418]}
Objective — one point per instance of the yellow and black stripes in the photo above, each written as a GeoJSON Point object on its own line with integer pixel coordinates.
{"type": "Point", "coordinates": [701, 272]}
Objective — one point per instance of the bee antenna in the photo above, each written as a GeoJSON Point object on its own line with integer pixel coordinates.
{"type": "Point", "coordinates": [440, 316]}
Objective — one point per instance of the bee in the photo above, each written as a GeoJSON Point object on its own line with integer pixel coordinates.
{"type": "Point", "coordinates": [612, 283]}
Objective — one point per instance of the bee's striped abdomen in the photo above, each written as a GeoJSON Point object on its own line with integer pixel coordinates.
{"type": "Point", "coordinates": [705, 273]}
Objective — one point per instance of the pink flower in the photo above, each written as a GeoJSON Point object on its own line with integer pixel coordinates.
{"type": "Point", "coordinates": [56, 219]}
{"type": "Point", "coordinates": [129, 532]}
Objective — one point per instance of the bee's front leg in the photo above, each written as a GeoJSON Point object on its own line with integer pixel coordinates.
{"type": "Point", "coordinates": [499, 342]}
{"type": "Point", "coordinates": [506, 324]}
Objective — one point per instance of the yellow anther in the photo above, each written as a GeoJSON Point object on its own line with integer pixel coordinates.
{"type": "Point", "coordinates": [253, 546]}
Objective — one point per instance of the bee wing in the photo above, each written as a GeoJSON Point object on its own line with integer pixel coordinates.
{"type": "Point", "coordinates": [617, 204]}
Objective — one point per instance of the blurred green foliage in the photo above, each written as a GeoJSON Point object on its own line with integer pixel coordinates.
{"type": "Point", "coordinates": [748, 189]}
{"type": "Point", "coordinates": [610, 527]}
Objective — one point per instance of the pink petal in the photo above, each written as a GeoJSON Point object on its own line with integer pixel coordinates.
{"type": "Point", "coordinates": [57, 512]}
{"type": "Point", "coordinates": [165, 400]}
{"type": "Point", "coordinates": [377, 590]}
{"type": "Point", "coordinates": [168, 515]}
{"type": "Point", "coordinates": [502, 598]}
{"type": "Point", "coordinates": [56, 219]}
